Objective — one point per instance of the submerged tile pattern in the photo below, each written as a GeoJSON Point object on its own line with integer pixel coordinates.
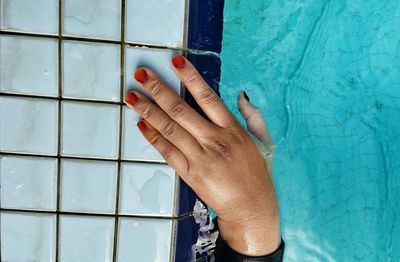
{"type": "Point", "coordinates": [78, 180]}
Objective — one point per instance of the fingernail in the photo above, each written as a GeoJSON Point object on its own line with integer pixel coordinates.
{"type": "Point", "coordinates": [141, 75]}
{"type": "Point", "coordinates": [178, 61]}
{"type": "Point", "coordinates": [131, 98]}
{"type": "Point", "coordinates": [245, 96]}
{"type": "Point", "coordinates": [142, 126]}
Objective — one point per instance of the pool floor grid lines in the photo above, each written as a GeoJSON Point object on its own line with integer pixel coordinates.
{"type": "Point", "coordinates": [119, 159]}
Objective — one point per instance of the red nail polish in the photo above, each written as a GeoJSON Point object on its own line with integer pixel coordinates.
{"type": "Point", "coordinates": [141, 75]}
{"type": "Point", "coordinates": [142, 126]}
{"type": "Point", "coordinates": [131, 98]}
{"type": "Point", "coordinates": [178, 61]}
{"type": "Point", "coordinates": [245, 96]}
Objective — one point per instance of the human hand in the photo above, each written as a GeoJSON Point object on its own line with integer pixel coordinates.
{"type": "Point", "coordinates": [215, 157]}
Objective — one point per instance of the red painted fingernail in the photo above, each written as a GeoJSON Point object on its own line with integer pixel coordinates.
{"type": "Point", "coordinates": [245, 96]}
{"type": "Point", "coordinates": [141, 75]}
{"type": "Point", "coordinates": [131, 98]}
{"type": "Point", "coordinates": [178, 61]}
{"type": "Point", "coordinates": [142, 126]}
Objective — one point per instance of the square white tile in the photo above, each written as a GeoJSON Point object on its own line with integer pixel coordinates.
{"type": "Point", "coordinates": [28, 182]}
{"type": "Point", "coordinates": [39, 16]}
{"type": "Point", "coordinates": [147, 189]}
{"type": "Point", "coordinates": [92, 18]}
{"type": "Point", "coordinates": [28, 125]}
{"type": "Point", "coordinates": [144, 239]}
{"type": "Point", "coordinates": [159, 22]}
{"type": "Point", "coordinates": [28, 237]}
{"type": "Point", "coordinates": [88, 186]}
{"type": "Point", "coordinates": [28, 65]}
{"type": "Point", "coordinates": [91, 70]}
{"type": "Point", "coordinates": [134, 145]}
{"type": "Point", "coordinates": [159, 60]}
{"type": "Point", "coordinates": [86, 238]}
{"type": "Point", "coordinates": [90, 130]}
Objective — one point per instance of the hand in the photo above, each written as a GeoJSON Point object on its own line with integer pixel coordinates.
{"type": "Point", "coordinates": [216, 157]}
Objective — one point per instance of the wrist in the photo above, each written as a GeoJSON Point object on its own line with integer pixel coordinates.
{"type": "Point", "coordinates": [256, 234]}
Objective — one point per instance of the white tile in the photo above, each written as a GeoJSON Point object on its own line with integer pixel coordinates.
{"type": "Point", "coordinates": [90, 129]}
{"type": "Point", "coordinates": [27, 237]}
{"type": "Point", "coordinates": [39, 16]}
{"type": "Point", "coordinates": [88, 186]}
{"type": "Point", "coordinates": [92, 18]}
{"type": "Point", "coordinates": [159, 22]}
{"type": "Point", "coordinates": [144, 239]}
{"type": "Point", "coordinates": [134, 145]}
{"type": "Point", "coordinates": [91, 71]}
{"type": "Point", "coordinates": [86, 238]}
{"type": "Point", "coordinates": [28, 65]}
{"type": "Point", "coordinates": [28, 182]}
{"type": "Point", "coordinates": [28, 125]}
{"type": "Point", "coordinates": [147, 189]}
{"type": "Point", "coordinates": [159, 60]}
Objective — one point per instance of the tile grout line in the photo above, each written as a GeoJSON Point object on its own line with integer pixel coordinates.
{"type": "Point", "coordinates": [137, 161]}
{"type": "Point", "coordinates": [87, 214]}
{"type": "Point", "coordinates": [59, 128]}
{"type": "Point", "coordinates": [107, 41]}
{"type": "Point", "coordinates": [121, 107]}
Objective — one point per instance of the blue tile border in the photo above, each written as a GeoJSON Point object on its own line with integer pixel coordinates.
{"type": "Point", "coordinates": [205, 25]}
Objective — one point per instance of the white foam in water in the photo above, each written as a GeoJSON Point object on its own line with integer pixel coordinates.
{"type": "Point", "coordinates": [207, 236]}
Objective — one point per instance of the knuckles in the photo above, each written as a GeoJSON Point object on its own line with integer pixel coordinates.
{"type": "Point", "coordinates": [208, 97]}
{"type": "Point", "coordinates": [168, 129]}
{"type": "Point", "coordinates": [177, 109]}
{"type": "Point", "coordinates": [154, 87]}
{"type": "Point", "coordinates": [147, 110]}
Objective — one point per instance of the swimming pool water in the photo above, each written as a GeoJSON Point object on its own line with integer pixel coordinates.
{"type": "Point", "coordinates": [326, 75]}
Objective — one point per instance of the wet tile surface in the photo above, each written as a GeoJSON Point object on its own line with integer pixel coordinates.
{"type": "Point", "coordinates": [39, 16]}
{"type": "Point", "coordinates": [144, 239]}
{"type": "Point", "coordinates": [28, 125]}
{"type": "Point", "coordinates": [88, 186]}
{"type": "Point", "coordinates": [27, 236]}
{"type": "Point", "coordinates": [90, 129]}
{"type": "Point", "coordinates": [147, 189]}
{"type": "Point", "coordinates": [28, 65]}
{"type": "Point", "coordinates": [91, 71]}
{"type": "Point", "coordinates": [28, 182]}
{"type": "Point", "coordinates": [86, 238]}
{"type": "Point", "coordinates": [92, 18]}
{"type": "Point", "coordinates": [165, 28]}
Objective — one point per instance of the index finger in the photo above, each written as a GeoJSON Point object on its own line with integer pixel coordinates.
{"type": "Point", "coordinates": [204, 95]}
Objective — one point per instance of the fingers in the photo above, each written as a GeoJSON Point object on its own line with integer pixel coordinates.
{"type": "Point", "coordinates": [254, 119]}
{"type": "Point", "coordinates": [204, 95]}
{"type": "Point", "coordinates": [168, 128]}
{"type": "Point", "coordinates": [170, 153]}
{"type": "Point", "coordinates": [172, 104]}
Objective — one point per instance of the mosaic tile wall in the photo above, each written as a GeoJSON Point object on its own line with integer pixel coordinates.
{"type": "Point", "coordinates": [78, 180]}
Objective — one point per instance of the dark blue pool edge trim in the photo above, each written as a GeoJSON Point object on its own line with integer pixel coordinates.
{"type": "Point", "coordinates": [204, 32]}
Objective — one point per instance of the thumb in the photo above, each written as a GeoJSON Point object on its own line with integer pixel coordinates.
{"type": "Point", "coordinates": [254, 120]}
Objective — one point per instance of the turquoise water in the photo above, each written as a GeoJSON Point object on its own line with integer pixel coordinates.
{"type": "Point", "coordinates": [326, 75]}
